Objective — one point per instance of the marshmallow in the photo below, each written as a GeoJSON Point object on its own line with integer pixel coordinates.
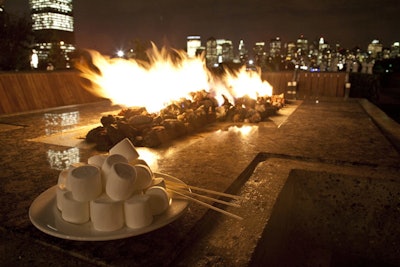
{"type": "Point", "coordinates": [106, 214]}
{"type": "Point", "coordinates": [85, 182]}
{"type": "Point", "coordinates": [97, 160]}
{"type": "Point", "coordinates": [59, 195]}
{"type": "Point", "coordinates": [159, 199]}
{"type": "Point", "coordinates": [62, 179]}
{"type": "Point", "coordinates": [109, 161]}
{"type": "Point", "coordinates": [144, 177]}
{"type": "Point", "coordinates": [137, 211]}
{"type": "Point", "coordinates": [120, 181]}
{"type": "Point", "coordinates": [67, 171]}
{"type": "Point", "coordinates": [158, 181]}
{"type": "Point", "coordinates": [139, 161]}
{"type": "Point", "coordinates": [126, 149]}
{"type": "Point", "coordinates": [76, 164]}
{"type": "Point", "coordinates": [74, 211]}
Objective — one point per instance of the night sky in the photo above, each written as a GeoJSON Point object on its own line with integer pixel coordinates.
{"type": "Point", "coordinates": [106, 25]}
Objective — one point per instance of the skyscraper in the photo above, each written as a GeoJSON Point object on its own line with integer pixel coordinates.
{"type": "Point", "coordinates": [302, 45]}
{"type": "Point", "coordinates": [242, 52]}
{"type": "Point", "coordinates": [193, 44]}
{"type": "Point", "coordinates": [211, 52]}
{"type": "Point", "coordinates": [53, 28]}
{"type": "Point", "coordinates": [275, 47]}
{"type": "Point", "coordinates": [375, 49]}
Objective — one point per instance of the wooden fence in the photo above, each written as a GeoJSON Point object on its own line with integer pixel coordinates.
{"type": "Point", "coordinates": [309, 84]}
{"type": "Point", "coordinates": [21, 92]}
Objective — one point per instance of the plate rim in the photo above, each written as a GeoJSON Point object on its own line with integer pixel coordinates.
{"type": "Point", "coordinates": [47, 200]}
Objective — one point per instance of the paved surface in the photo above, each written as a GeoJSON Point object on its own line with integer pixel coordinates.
{"type": "Point", "coordinates": [339, 139]}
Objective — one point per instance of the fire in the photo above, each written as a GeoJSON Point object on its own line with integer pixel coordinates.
{"type": "Point", "coordinates": [242, 83]}
{"type": "Point", "coordinates": [164, 79]}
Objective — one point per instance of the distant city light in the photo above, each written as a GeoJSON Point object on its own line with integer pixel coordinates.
{"type": "Point", "coordinates": [34, 60]}
{"type": "Point", "coordinates": [120, 53]}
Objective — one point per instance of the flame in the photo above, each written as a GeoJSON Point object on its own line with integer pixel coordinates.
{"type": "Point", "coordinates": [247, 83]}
{"type": "Point", "coordinates": [164, 79]}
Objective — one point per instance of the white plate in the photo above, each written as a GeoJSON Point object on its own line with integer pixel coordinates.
{"type": "Point", "coordinates": [45, 216]}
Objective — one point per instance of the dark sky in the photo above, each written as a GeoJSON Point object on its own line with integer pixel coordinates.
{"type": "Point", "coordinates": [106, 25]}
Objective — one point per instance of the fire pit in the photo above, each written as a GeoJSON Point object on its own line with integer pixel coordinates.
{"type": "Point", "coordinates": [178, 119]}
{"type": "Point", "coordinates": [165, 98]}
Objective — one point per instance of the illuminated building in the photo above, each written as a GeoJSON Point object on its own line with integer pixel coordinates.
{"type": "Point", "coordinates": [259, 52]}
{"type": "Point", "coordinates": [322, 45]}
{"type": "Point", "coordinates": [211, 53]}
{"type": "Point", "coordinates": [224, 50]}
{"type": "Point", "coordinates": [53, 27]}
{"type": "Point", "coordinates": [242, 51]}
{"type": "Point", "coordinates": [302, 45]}
{"type": "Point", "coordinates": [395, 50]}
{"type": "Point", "coordinates": [275, 46]}
{"type": "Point", "coordinates": [375, 49]}
{"type": "Point", "coordinates": [218, 51]}
{"type": "Point", "coordinates": [290, 51]}
{"type": "Point", "coordinates": [193, 44]}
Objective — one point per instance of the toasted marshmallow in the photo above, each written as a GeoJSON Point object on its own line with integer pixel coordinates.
{"type": "Point", "coordinates": [107, 214]}
{"type": "Point", "coordinates": [137, 211]}
{"type": "Point", "coordinates": [74, 211]}
{"type": "Point", "coordinates": [85, 182]}
{"type": "Point", "coordinates": [126, 149]}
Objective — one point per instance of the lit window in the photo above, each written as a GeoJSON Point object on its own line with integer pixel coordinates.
{"type": "Point", "coordinates": [52, 21]}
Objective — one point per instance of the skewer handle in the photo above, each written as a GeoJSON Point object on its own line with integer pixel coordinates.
{"type": "Point", "coordinates": [208, 205]}
{"type": "Point", "coordinates": [181, 190]}
{"type": "Point", "coordinates": [204, 190]}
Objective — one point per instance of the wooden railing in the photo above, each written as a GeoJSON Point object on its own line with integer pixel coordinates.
{"type": "Point", "coordinates": [21, 92]}
{"type": "Point", "coordinates": [308, 84]}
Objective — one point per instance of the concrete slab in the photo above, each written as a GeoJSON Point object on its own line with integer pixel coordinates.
{"type": "Point", "coordinates": [332, 136]}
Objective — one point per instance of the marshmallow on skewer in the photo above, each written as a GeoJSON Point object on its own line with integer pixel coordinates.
{"type": "Point", "coordinates": [126, 149]}
{"type": "Point", "coordinates": [107, 214]}
{"type": "Point", "coordinates": [137, 211]}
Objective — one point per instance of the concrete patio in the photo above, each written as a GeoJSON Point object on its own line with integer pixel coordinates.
{"type": "Point", "coordinates": [319, 185]}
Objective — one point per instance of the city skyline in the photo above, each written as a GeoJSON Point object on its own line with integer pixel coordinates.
{"type": "Point", "coordinates": [169, 22]}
